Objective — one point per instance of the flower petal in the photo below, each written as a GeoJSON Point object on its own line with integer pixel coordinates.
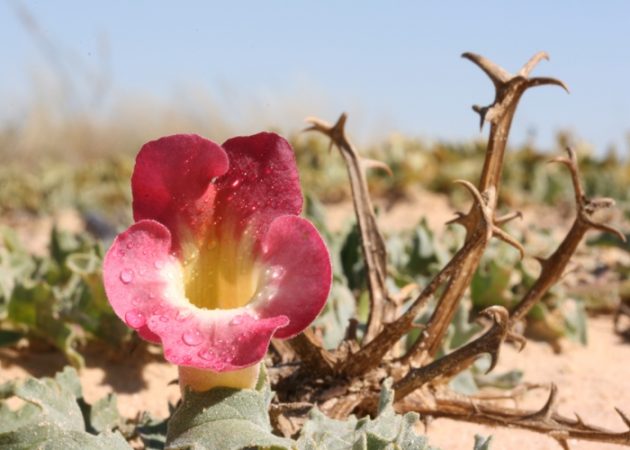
{"type": "Point", "coordinates": [131, 273]}
{"type": "Point", "coordinates": [144, 284]}
{"type": "Point", "coordinates": [262, 184]}
{"type": "Point", "coordinates": [172, 182]}
{"type": "Point", "coordinates": [294, 254]}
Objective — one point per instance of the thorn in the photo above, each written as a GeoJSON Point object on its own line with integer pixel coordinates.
{"type": "Point", "coordinates": [497, 74]}
{"type": "Point", "coordinates": [499, 316]}
{"type": "Point", "coordinates": [561, 160]}
{"type": "Point", "coordinates": [579, 419]}
{"type": "Point", "coordinates": [600, 203]}
{"type": "Point", "coordinates": [542, 261]}
{"type": "Point", "coordinates": [547, 81]}
{"type": "Point", "coordinates": [533, 62]}
{"type": "Point", "coordinates": [335, 132]}
{"type": "Point", "coordinates": [547, 410]}
{"type": "Point", "coordinates": [508, 217]}
{"type": "Point", "coordinates": [505, 237]}
{"type": "Point", "coordinates": [562, 442]}
{"type": "Point", "coordinates": [608, 229]}
{"type": "Point", "coordinates": [482, 111]}
{"type": "Point", "coordinates": [494, 360]}
{"type": "Point", "coordinates": [518, 339]}
{"type": "Point", "coordinates": [375, 164]}
{"type": "Point", "coordinates": [459, 219]}
{"type": "Point", "coordinates": [624, 417]}
{"type": "Point", "coordinates": [473, 191]}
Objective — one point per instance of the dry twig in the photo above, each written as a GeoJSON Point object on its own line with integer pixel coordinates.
{"type": "Point", "coordinates": [348, 379]}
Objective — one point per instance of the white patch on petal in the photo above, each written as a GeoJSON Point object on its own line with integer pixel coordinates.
{"type": "Point", "coordinates": [175, 295]}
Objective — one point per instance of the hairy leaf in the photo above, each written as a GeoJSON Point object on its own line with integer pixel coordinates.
{"type": "Point", "coordinates": [387, 431]}
{"type": "Point", "coordinates": [224, 419]}
{"type": "Point", "coordinates": [52, 417]}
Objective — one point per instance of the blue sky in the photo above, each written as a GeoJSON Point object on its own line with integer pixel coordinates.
{"type": "Point", "coordinates": [394, 66]}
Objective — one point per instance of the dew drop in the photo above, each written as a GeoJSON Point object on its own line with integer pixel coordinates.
{"type": "Point", "coordinates": [129, 245]}
{"type": "Point", "coordinates": [236, 321]}
{"type": "Point", "coordinates": [192, 337]}
{"type": "Point", "coordinates": [275, 272]}
{"type": "Point", "coordinates": [219, 365]}
{"type": "Point", "coordinates": [135, 319]}
{"type": "Point", "coordinates": [136, 301]}
{"type": "Point", "coordinates": [163, 319]}
{"type": "Point", "coordinates": [207, 354]}
{"type": "Point", "coordinates": [126, 276]}
{"type": "Point", "coordinates": [235, 183]}
{"type": "Point", "coordinates": [182, 315]}
{"type": "Point", "coordinates": [158, 264]}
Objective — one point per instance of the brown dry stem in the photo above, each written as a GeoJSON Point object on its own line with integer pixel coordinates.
{"type": "Point", "coordinates": [372, 243]}
{"type": "Point", "coordinates": [546, 420]}
{"type": "Point", "coordinates": [348, 379]}
{"type": "Point", "coordinates": [553, 267]}
{"type": "Point", "coordinates": [508, 91]}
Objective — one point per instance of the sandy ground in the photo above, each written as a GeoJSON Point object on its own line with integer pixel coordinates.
{"type": "Point", "coordinates": [592, 380]}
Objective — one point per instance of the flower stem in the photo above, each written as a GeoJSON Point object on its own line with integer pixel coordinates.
{"type": "Point", "coordinates": [202, 380]}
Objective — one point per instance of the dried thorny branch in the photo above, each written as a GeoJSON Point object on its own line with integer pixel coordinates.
{"type": "Point", "coordinates": [453, 363]}
{"type": "Point", "coordinates": [546, 420]}
{"type": "Point", "coordinates": [553, 268]}
{"type": "Point", "coordinates": [347, 380]}
{"type": "Point", "coordinates": [372, 242]}
{"type": "Point", "coordinates": [508, 91]}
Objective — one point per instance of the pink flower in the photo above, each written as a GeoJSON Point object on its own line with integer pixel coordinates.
{"type": "Point", "coordinates": [218, 261]}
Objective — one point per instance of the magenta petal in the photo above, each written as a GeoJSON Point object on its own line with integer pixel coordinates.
{"type": "Point", "coordinates": [294, 253]}
{"type": "Point", "coordinates": [132, 277]}
{"type": "Point", "coordinates": [142, 284]}
{"type": "Point", "coordinates": [217, 340]}
{"type": "Point", "coordinates": [262, 183]}
{"type": "Point", "coordinates": [172, 182]}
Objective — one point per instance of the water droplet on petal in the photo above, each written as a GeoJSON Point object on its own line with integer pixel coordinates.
{"type": "Point", "coordinates": [192, 337]}
{"type": "Point", "coordinates": [236, 321]}
{"type": "Point", "coordinates": [235, 183]}
{"type": "Point", "coordinates": [163, 319]}
{"type": "Point", "coordinates": [135, 319]}
{"type": "Point", "coordinates": [182, 315]}
{"type": "Point", "coordinates": [136, 301]}
{"type": "Point", "coordinates": [275, 272]}
{"type": "Point", "coordinates": [159, 264]}
{"type": "Point", "coordinates": [129, 245]}
{"type": "Point", "coordinates": [207, 354]}
{"type": "Point", "coordinates": [126, 276]}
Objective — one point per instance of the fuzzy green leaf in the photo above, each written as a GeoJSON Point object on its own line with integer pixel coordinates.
{"type": "Point", "coordinates": [51, 417]}
{"type": "Point", "coordinates": [223, 419]}
{"type": "Point", "coordinates": [388, 431]}
{"type": "Point", "coordinates": [482, 442]}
